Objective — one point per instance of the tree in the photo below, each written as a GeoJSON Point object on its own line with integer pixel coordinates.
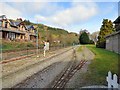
{"type": "Point", "coordinates": [94, 36]}
{"type": "Point", "coordinates": [84, 38]}
{"type": "Point", "coordinates": [106, 29]}
{"type": "Point", "coordinates": [91, 42]}
{"type": "Point", "coordinates": [27, 22]}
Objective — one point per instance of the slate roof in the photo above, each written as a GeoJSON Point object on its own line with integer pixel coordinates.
{"type": "Point", "coordinates": [30, 27]}
{"type": "Point", "coordinates": [117, 20]}
{"type": "Point", "coordinates": [118, 32]}
{"type": "Point", "coordinates": [2, 17]}
{"type": "Point", "coordinates": [14, 23]}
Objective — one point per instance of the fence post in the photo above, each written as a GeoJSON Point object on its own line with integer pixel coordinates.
{"type": "Point", "coordinates": [112, 81]}
{"type": "Point", "coordinates": [109, 79]}
{"type": "Point", "coordinates": [115, 84]}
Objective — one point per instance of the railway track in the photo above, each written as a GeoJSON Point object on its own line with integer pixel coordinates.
{"type": "Point", "coordinates": [37, 63]}
{"type": "Point", "coordinates": [6, 55]}
{"type": "Point", "coordinates": [62, 81]}
{"type": "Point", "coordinates": [17, 55]}
{"type": "Point", "coordinates": [28, 68]}
{"type": "Point", "coordinates": [66, 75]}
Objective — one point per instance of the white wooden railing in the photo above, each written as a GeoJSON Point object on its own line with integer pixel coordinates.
{"type": "Point", "coordinates": [112, 80]}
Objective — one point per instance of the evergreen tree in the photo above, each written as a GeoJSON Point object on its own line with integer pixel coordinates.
{"type": "Point", "coordinates": [106, 29]}
{"type": "Point", "coordinates": [27, 22]}
{"type": "Point", "coordinates": [84, 38]}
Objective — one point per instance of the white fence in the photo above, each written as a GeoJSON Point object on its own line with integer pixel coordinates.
{"type": "Point", "coordinates": [112, 80]}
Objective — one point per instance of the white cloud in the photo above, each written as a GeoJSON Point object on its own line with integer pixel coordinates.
{"type": "Point", "coordinates": [31, 8]}
{"type": "Point", "coordinates": [49, 13]}
{"type": "Point", "coordinates": [39, 18]}
{"type": "Point", "coordinates": [28, 7]}
{"type": "Point", "coordinates": [79, 12]}
{"type": "Point", "coordinates": [9, 11]}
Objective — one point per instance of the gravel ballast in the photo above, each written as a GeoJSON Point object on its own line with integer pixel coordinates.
{"type": "Point", "coordinates": [57, 64]}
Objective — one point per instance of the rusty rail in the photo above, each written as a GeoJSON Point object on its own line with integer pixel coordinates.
{"type": "Point", "coordinates": [66, 76]}
{"type": "Point", "coordinates": [13, 56]}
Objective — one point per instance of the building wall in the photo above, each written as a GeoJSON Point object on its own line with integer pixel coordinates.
{"type": "Point", "coordinates": [27, 36]}
{"type": "Point", "coordinates": [112, 43]}
{"type": "Point", "coordinates": [109, 43]}
{"type": "Point", "coordinates": [3, 23]}
{"type": "Point", "coordinates": [115, 43]}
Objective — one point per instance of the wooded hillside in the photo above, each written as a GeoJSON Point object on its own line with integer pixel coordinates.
{"type": "Point", "coordinates": [56, 35]}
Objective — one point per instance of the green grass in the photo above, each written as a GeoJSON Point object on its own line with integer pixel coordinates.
{"type": "Point", "coordinates": [9, 46]}
{"type": "Point", "coordinates": [104, 61]}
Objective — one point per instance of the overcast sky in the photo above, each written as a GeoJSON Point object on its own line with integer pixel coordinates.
{"type": "Point", "coordinates": [72, 16]}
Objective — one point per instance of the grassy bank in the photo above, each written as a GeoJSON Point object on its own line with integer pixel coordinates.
{"type": "Point", "coordinates": [8, 46]}
{"type": "Point", "coordinates": [104, 61]}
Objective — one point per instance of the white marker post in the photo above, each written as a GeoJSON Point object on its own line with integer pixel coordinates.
{"type": "Point", "coordinates": [46, 47]}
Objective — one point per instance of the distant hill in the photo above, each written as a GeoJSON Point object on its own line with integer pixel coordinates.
{"type": "Point", "coordinates": [56, 35]}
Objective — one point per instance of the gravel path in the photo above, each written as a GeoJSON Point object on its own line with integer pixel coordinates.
{"type": "Point", "coordinates": [11, 67]}
{"type": "Point", "coordinates": [56, 64]}
{"type": "Point", "coordinates": [44, 78]}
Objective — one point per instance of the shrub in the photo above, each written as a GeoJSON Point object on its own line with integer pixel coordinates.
{"type": "Point", "coordinates": [91, 42]}
{"type": "Point", "coordinates": [101, 44]}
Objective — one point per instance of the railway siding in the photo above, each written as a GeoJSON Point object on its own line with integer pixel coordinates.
{"type": "Point", "coordinates": [13, 74]}
{"type": "Point", "coordinates": [14, 66]}
{"type": "Point", "coordinates": [42, 79]}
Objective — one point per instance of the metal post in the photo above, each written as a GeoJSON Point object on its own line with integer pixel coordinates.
{"type": "Point", "coordinates": [37, 42]}
{"type": "Point", "coordinates": [46, 33]}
